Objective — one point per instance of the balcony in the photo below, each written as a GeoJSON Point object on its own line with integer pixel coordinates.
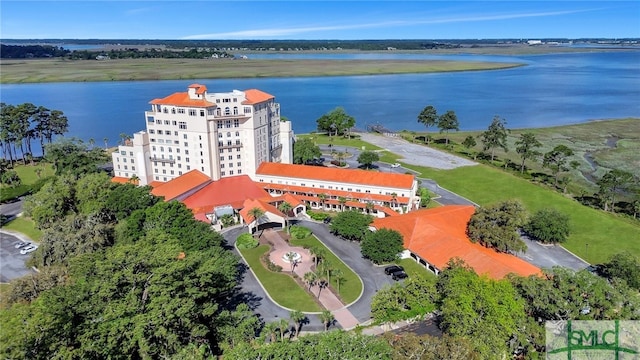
{"type": "Point", "coordinates": [220, 146]}
{"type": "Point", "coordinates": [169, 161]}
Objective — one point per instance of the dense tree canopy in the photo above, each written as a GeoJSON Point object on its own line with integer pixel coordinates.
{"type": "Point", "coordinates": [624, 266]}
{"type": "Point", "coordinates": [336, 122]}
{"type": "Point", "coordinates": [497, 226]}
{"type": "Point", "coordinates": [611, 183]}
{"type": "Point", "coordinates": [428, 117]}
{"type": "Point", "coordinates": [367, 158]}
{"type": "Point", "coordinates": [382, 246]}
{"type": "Point", "coordinates": [351, 225]}
{"type": "Point", "coordinates": [74, 157]}
{"type": "Point", "coordinates": [304, 150]}
{"type": "Point", "coordinates": [548, 226]}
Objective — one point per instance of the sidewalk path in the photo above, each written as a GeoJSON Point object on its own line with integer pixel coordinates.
{"type": "Point", "coordinates": [327, 298]}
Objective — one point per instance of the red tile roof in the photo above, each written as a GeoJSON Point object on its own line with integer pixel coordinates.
{"type": "Point", "coordinates": [200, 89]}
{"type": "Point", "coordinates": [181, 185]}
{"type": "Point", "coordinates": [232, 191]}
{"type": "Point", "coordinates": [351, 176]}
{"type": "Point", "coordinates": [254, 96]}
{"type": "Point", "coordinates": [182, 99]}
{"type": "Point", "coordinates": [438, 235]}
{"type": "Point", "coordinates": [338, 193]}
{"type": "Point", "coordinates": [254, 203]}
{"type": "Point", "coordinates": [124, 180]}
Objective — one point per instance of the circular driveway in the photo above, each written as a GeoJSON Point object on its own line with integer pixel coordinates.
{"type": "Point", "coordinates": [12, 263]}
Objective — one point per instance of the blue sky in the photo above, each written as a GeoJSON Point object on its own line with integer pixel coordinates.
{"type": "Point", "coordinates": [301, 19]}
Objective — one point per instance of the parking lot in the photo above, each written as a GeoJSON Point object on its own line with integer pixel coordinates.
{"type": "Point", "coordinates": [12, 263]}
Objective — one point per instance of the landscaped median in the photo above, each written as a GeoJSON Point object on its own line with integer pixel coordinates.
{"type": "Point", "coordinates": [350, 283]}
{"type": "Point", "coordinates": [282, 288]}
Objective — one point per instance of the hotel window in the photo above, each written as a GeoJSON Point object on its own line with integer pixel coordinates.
{"type": "Point", "coordinates": [228, 142]}
{"type": "Point", "coordinates": [175, 133]}
{"type": "Point", "coordinates": [186, 144]}
{"type": "Point", "coordinates": [235, 110]}
{"type": "Point", "coordinates": [228, 134]}
{"type": "Point", "coordinates": [164, 171]}
{"type": "Point", "coordinates": [226, 100]}
{"type": "Point", "coordinates": [220, 144]}
{"type": "Point", "coordinates": [180, 111]}
{"type": "Point", "coordinates": [174, 123]}
{"type": "Point", "coordinates": [187, 160]}
{"type": "Point", "coordinates": [178, 151]}
{"type": "Point", "coordinates": [151, 131]}
{"type": "Point", "coordinates": [201, 161]}
{"type": "Point", "coordinates": [192, 112]}
{"type": "Point", "coordinates": [237, 142]}
{"type": "Point", "coordinates": [150, 119]}
{"type": "Point", "coordinates": [221, 166]}
{"type": "Point", "coordinates": [199, 137]}
{"type": "Point", "coordinates": [184, 136]}
{"type": "Point", "coordinates": [180, 167]}
{"type": "Point", "coordinates": [209, 111]}
{"type": "Point", "coordinates": [179, 172]}
{"type": "Point", "coordinates": [188, 167]}
{"type": "Point", "coordinates": [183, 125]}
{"type": "Point", "coordinates": [221, 158]}
{"type": "Point", "coordinates": [230, 157]}
{"type": "Point", "coordinates": [155, 171]}
{"type": "Point", "coordinates": [222, 173]}
{"type": "Point", "coordinates": [153, 148]}
{"type": "Point", "coordinates": [238, 156]}
{"type": "Point", "coordinates": [173, 110]}
{"type": "Point", "coordinates": [237, 133]}
{"type": "Point", "coordinates": [165, 110]}
{"type": "Point", "coordinates": [239, 171]}
{"type": "Point", "coordinates": [123, 153]}
{"type": "Point", "coordinates": [239, 163]}
{"type": "Point", "coordinates": [227, 111]}
{"type": "Point", "coordinates": [230, 165]}
{"type": "Point", "coordinates": [167, 132]}
{"type": "Point", "coordinates": [164, 178]}
{"type": "Point", "coordinates": [170, 149]}
{"type": "Point", "coordinates": [161, 148]}
{"type": "Point", "coordinates": [166, 122]}
{"type": "Point", "coordinates": [186, 152]}
{"type": "Point", "coordinates": [124, 160]}
{"type": "Point", "coordinates": [235, 100]}
{"type": "Point", "coordinates": [159, 122]}
{"type": "Point", "coordinates": [201, 112]}
{"type": "Point", "coordinates": [247, 110]}
{"type": "Point", "coordinates": [171, 172]}
{"type": "Point", "coordinates": [231, 172]}
{"type": "Point", "coordinates": [227, 124]}
{"type": "Point", "coordinates": [236, 123]}
{"type": "Point", "coordinates": [217, 101]}
{"type": "Point", "coordinates": [219, 135]}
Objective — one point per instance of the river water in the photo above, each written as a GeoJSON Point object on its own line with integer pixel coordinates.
{"type": "Point", "coordinates": [554, 89]}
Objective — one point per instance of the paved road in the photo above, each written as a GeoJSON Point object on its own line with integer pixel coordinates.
{"type": "Point", "coordinates": [12, 263]}
{"type": "Point", "coordinates": [12, 209]}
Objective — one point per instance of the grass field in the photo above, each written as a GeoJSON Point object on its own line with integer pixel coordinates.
{"type": "Point", "coordinates": [351, 286]}
{"type": "Point", "coordinates": [57, 70]}
{"type": "Point", "coordinates": [338, 141]}
{"type": "Point", "coordinates": [27, 173]}
{"type": "Point", "coordinates": [613, 144]}
{"type": "Point", "coordinates": [606, 234]}
{"type": "Point", "coordinates": [281, 287]}
{"type": "Point", "coordinates": [412, 268]}
{"type": "Point", "coordinates": [24, 226]}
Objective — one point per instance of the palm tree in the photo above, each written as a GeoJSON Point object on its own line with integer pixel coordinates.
{"type": "Point", "coordinates": [322, 198]}
{"type": "Point", "coordinates": [342, 200]}
{"type": "Point", "coordinates": [285, 207]}
{"type": "Point", "coordinates": [92, 142]}
{"type": "Point", "coordinates": [134, 179]}
{"type": "Point", "coordinates": [290, 256]}
{"type": "Point", "coordinates": [322, 283]}
{"type": "Point", "coordinates": [327, 269]}
{"type": "Point", "coordinates": [298, 318]}
{"type": "Point", "coordinates": [106, 143]}
{"type": "Point", "coordinates": [338, 276]}
{"type": "Point", "coordinates": [317, 254]}
{"type": "Point", "coordinates": [327, 319]}
{"type": "Point", "coordinates": [256, 213]}
{"type": "Point", "coordinates": [283, 326]}
{"type": "Point", "coordinates": [369, 207]}
{"type": "Point", "coordinates": [271, 329]}
{"type": "Point", "coordinates": [310, 278]}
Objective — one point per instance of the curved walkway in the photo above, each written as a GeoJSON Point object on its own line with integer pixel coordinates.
{"type": "Point", "coordinates": [327, 298]}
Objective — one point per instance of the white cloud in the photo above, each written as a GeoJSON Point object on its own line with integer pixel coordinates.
{"type": "Point", "coordinates": [259, 33]}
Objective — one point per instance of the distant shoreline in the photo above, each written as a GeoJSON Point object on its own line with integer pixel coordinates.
{"type": "Point", "coordinates": [57, 70]}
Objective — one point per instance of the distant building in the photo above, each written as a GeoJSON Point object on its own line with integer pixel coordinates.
{"type": "Point", "coordinates": [534, 42]}
{"type": "Point", "coordinates": [219, 134]}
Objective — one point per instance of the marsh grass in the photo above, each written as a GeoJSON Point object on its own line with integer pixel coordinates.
{"type": "Point", "coordinates": [57, 70]}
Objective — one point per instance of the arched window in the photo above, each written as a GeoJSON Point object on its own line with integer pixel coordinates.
{"type": "Point", "coordinates": [227, 111]}
{"type": "Point", "coordinates": [235, 110]}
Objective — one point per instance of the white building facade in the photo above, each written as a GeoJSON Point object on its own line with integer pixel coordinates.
{"type": "Point", "coordinates": [219, 134]}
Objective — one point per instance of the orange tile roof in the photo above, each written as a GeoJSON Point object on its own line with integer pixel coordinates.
{"type": "Point", "coordinates": [293, 200]}
{"type": "Point", "coordinates": [338, 193]}
{"type": "Point", "coordinates": [155, 184]}
{"type": "Point", "coordinates": [200, 89]}
{"type": "Point", "coordinates": [254, 96]}
{"type": "Point", "coordinates": [232, 191]}
{"type": "Point", "coordinates": [124, 180]}
{"type": "Point", "coordinates": [181, 185]}
{"type": "Point", "coordinates": [438, 235]}
{"type": "Point", "coordinates": [254, 203]}
{"type": "Point", "coordinates": [351, 176]}
{"type": "Point", "coordinates": [182, 99]}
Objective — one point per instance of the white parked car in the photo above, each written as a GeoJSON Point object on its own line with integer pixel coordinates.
{"type": "Point", "coordinates": [28, 249]}
{"type": "Point", "coordinates": [395, 165]}
{"type": "Point", "coordinates": [22, 244]}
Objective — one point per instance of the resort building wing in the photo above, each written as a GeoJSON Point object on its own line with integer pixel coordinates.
{"type": "Point", "coordinates": [432, 237]}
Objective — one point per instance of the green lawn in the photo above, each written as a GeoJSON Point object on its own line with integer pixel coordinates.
{"type": "Point", "coordinates": [27, 173]}
{"type": "Point", "coordinates": [281, 287]}
{"type": "Point", "coordinates": [339, 141]}
{"type": "Point", "coordinates": [412, 268]}
{"type": "Point", "coordinates": [351, 286]}
{"type": "Point", "coordinates": [606, 234]}
{"type": "Point", "coordinates": [24, 226]}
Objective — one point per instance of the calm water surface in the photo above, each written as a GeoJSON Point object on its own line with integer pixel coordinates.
{"type": "Point", "coordinates": [551, 90]}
